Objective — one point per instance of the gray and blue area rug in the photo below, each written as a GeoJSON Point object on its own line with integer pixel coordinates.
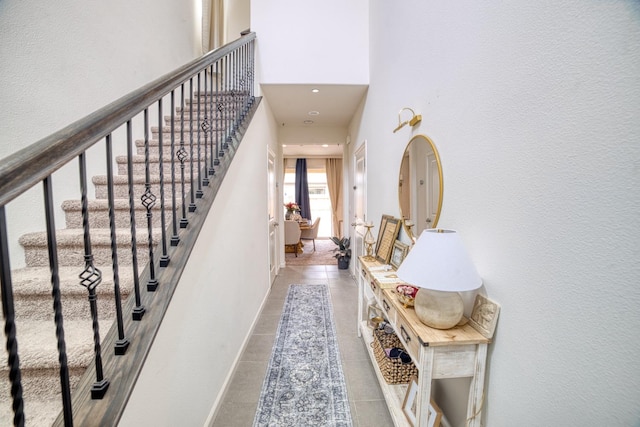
{"type": "Point", "coordinates": [304, 384]}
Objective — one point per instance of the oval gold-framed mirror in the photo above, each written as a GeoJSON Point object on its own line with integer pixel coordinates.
{"type": "Point", "coordinates": [420, 186]}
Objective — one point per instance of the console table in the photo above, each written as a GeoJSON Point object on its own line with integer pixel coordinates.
{"type": "Point", "coordinates": [451, 353]}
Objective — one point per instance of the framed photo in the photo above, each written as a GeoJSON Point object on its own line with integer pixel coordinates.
{"type": "Point", "coordinates": [374, 316]}
{"type": "Point", "coordinates": [389, 229]}
{"type": "Point", "coordinates": [398, 253]}
{"type": "Point", "coordinates": [383, 223]}
{"type": "Point", "coordinates": [410, 404]}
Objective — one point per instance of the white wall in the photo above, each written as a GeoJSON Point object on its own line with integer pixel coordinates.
{"type": "Point", "coordinates": [217, 300]}
{"type": "Point", "coordinates": [312, 42]}
{"type": "Point", "coordinates": [59, 61]}
{"type": "Point", "coordinates": [534, 109]}
{"type": "Point", "coordinates": [238, 16]}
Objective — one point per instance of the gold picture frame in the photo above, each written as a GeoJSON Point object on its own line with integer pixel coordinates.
{"type": "Point", "coordinates": [389, 229]}
{"type": "Point", "coordinates": [383, 223]}
{"type": "Point", "coordinates": [398, 254]}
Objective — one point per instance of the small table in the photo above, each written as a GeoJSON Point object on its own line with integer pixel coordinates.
{"type": "Point", "coordinates": [451, 353]}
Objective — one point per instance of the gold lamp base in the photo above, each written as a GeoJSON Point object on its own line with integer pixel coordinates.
{"type": "Point", "coordinates": [438, 309]}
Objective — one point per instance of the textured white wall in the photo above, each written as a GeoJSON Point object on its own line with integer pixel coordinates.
{"type": "Point", "coordinates": [59, 61]}
{"type": "Point", "coordinates": [534, 109]}
{"type": "Point", "coordinates": [312, 42]}
{"type": "Point", "coordinates": [217, 300]}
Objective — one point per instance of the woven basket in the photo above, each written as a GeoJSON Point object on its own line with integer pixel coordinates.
{"type": "Point", "coordinates": [392, 369]}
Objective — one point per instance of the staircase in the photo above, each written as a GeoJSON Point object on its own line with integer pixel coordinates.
{"type": "Point", "coordinates": [37, 345]}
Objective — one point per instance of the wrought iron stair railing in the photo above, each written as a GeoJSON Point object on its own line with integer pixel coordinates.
{"type": "Point", "coordinates": [211, 101]}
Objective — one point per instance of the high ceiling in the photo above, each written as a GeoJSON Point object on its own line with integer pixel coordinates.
{"type": "Point", "coordinates": [300, 107]}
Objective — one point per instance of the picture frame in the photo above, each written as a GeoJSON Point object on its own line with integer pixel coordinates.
{"type": "Point", "coordinates": [398, 253]}
{"type": "Point", "coordinates": [410, 404]}
{"type": "Point", "coordinates": [374, 312]}
{"type": "Point", "coordinates": [389, 229]}
{"type": "Point", "coordinates": [383, 223]}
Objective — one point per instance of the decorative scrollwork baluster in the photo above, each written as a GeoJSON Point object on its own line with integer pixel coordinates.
{"type": "Point", "coordinates": [90, 278]}
{"type": "Point", "coordinates": [148, 200]}
{"type": "Point", "coordinates": [205, 129]}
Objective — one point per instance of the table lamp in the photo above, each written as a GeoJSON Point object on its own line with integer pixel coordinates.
{"type": "Point", "coordinates": [439, 265]}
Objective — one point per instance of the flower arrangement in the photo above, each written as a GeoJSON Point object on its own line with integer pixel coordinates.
{"type": "Point", "coordinates": [292, 206]}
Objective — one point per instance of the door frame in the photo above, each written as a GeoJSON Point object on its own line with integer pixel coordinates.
{"type": "Point", "coordinates": [357, 227]}
{"type": "Point", "coordinates": [273, 198]}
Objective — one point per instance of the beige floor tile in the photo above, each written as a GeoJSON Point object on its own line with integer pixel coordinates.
{"type": "Point", "coordinates": [373, 413]}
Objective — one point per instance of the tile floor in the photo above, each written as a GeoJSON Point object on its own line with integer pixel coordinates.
{"type": "Point", "coordinates": [368, 408]}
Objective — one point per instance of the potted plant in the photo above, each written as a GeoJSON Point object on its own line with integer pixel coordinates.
{"type": "Point", "coordinates": [343, 253]}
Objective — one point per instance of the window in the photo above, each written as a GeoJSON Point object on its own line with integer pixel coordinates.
{"type": "Point", "coordinates": [318, 194]}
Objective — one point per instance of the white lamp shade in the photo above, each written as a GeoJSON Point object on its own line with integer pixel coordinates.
{"type": "Point", "coordinates": [439, 261]}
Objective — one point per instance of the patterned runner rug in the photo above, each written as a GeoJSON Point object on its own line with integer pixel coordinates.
{"type": "Point", "coordinates": [304, 384]}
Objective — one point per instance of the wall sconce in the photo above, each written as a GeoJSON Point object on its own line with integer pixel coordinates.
{"type": "Point", "coordinates": [414, 120]}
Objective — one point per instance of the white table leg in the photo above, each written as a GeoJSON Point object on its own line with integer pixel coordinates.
{"type": "Point", "coordinates": [476, 391]}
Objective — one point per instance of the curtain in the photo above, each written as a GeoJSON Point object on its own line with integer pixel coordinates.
{"type": "Point", "coordinates": [212, 24]}
{"type": "Point", "coordinates": [333, 170]}
{"type": "Point", "coordinates": [302, 188]}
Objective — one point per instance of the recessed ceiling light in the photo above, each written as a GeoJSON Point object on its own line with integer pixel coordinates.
{"type": "Point", "coordinates": [308, 122]}
{"type": "Point", "coordinates": [315, 90]}
{"type": "Point", "coordinates": [284, 145]}
{"type": "Point", "coordinates": [314, 113]}
{"type": "Point", "coordinates": [325, 145]}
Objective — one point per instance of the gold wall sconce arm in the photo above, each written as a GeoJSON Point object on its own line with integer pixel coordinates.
{"type": "Point", "coordinates": [414, 120]}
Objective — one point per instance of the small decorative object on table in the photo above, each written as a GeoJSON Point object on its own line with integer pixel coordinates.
{"type": "Point", "coordinates": [292, 209]}
{"type": "Point", "coordinates": [369, 241]}
{"type": "Point", "coordinates": [398, 253]}
{"type": "Point", "coordinates": [406, 294]}
{"type": "Point", "coordinates": [375, 316]}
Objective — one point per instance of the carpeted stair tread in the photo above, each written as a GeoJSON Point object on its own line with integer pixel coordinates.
{"type": "Point", "coordinates": [37, 344]}
{"type": "Point", "coordinates": [99, 213]}
{"type": "Point", "coordinates": [42, 396]}
{"type": "Point", "coordinates": [137, 179]}
{"type": "Point", "coordinates": [75, 237]}
{"type": "Point", "coordinates": [140, 159]}
{"type": "Point", "coordinates": [95, 204]}
{"type": "Point", "coordinates": [36, 281]}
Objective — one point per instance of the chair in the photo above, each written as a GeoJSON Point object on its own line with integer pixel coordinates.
{"type": "Point", "coordinates": [292, 235]}
{"type": "Point", "coordinates": [311, 233]}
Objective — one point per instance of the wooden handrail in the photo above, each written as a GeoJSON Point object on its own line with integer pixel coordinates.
{"type": "Point", "coordinates": [30, 165]}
